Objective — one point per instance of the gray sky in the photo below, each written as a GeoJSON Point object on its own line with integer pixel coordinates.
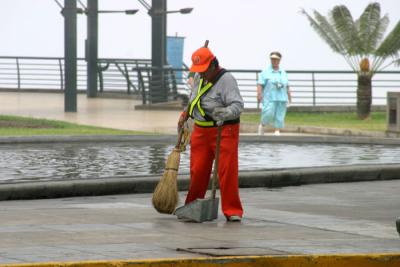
{"type": "Point", "coordinates": [241, 33]}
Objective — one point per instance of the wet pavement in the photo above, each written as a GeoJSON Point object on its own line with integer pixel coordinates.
{"type": "Point", "coordinates": [101, 112]}
{"type": "Point", "coordinates": [313, 219]}
{"type": "Point", "coordinates": [310, 219]}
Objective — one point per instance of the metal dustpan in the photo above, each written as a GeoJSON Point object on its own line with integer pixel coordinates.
{"type": "Point", "coordinates": [206, 209]}
{"type": "Point", "coordinates": [200, 210]}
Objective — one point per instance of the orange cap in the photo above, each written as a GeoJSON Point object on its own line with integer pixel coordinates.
{"type": "Point", "coordinates": [201, 59]}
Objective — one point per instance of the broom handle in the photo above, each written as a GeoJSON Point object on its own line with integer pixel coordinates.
{"type": "Point", "coordinates": [215, 173]}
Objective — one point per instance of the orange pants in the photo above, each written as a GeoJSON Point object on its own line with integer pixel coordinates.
{"type": "Point", "coordinates": [202, 153]}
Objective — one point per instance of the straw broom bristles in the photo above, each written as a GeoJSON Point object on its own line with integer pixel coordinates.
{"type": "Point", "coordinates": [165, 196]}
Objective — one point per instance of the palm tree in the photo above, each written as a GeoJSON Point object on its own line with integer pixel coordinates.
{"type": "Point", "coordinates": [360, 43]}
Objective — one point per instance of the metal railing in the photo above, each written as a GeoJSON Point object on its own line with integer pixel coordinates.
{"type": "Point", "coordinates": [48, 73]}
{"type": "Point", "coordinates": [160, 84]}
{"type": "Point", "coordinates": [118, 75]}
{"type": "Point", "coordinates": [321, 88]}
{"type": "Point", "coordinates": [31, 72]}
{"type": "Point", "coordinates": [136, 76]}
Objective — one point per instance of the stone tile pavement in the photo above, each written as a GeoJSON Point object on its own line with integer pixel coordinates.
{"type": "Point", "coordinates": [313, 219]}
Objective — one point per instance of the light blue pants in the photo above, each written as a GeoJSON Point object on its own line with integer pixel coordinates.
{"type": "Point", "coordinates": [273, 113]}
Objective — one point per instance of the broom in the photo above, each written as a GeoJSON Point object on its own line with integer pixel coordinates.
{"type": "Point", "coordinates": [165, 195]}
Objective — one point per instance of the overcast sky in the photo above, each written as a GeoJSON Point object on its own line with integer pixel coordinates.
{"type": "Point", "coordinates": [241, 33]}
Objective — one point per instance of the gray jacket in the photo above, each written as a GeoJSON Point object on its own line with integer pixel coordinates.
{"type": "Point", "coordinates": [225, 93]}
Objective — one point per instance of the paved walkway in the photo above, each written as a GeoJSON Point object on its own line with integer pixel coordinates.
{"type": "Point", "coordinates": [102, 112]}
{"type": "Point", "coordinates": [121, 114]}
{"type": "Point", "coordinates": [327, 218]}
{"type": "Point", "coordinates": [313, 219]}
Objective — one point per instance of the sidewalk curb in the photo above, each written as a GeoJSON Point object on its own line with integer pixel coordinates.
{"type": "Point", "coordinates": [171, 139]}
{"type": "Point", "coordinates": [252, 128]}
{"type": "Point", "coordinates": [340, 260]}
{"type": "Point", "coordinates": [247, 179]}
{"type": "Point", "coordinates": [43, 139]}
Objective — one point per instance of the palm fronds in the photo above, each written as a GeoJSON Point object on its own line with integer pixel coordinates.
{"type": "Point", "coordinates": [360, 39]}
{"type": "Point", "coordinates": [372, 27]}
{"type": "Point", "coordinates": [391, 45]}
{"type": "Point", "coordinates": [325, 31]}
{"type": "Point", "coordinates": [328, 33]}
{"type": "Point", "coordinates": [346, 29]}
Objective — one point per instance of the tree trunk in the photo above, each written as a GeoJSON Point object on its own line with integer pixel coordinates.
{"type": "Point", "coordinates": [364, 95]}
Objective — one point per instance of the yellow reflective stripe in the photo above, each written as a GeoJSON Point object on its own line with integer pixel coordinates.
{"type": "Point", "coordinates": [202, 92]}
{"type": "Point", "coordinates": [200, 85]}
{"type": "Point", "coordinates": [204, 123]}
{"type": "Point", "coordinates": [196, 101]}
{"type": "Point", "coordinates": [200, 109]}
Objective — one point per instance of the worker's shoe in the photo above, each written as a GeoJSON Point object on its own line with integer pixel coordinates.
{"type": "Point", "coordinates": [277, 133]}
{"type": "Point", "coordinates": [260, 130]}
{"type": "Point", "coordinates": [234, 218]}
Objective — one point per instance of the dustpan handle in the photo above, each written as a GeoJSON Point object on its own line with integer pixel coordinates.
{"type": "Point", "coordinates": [215, 173]}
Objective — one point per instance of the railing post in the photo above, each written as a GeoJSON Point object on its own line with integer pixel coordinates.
{"type": "Point", "coordinates": [100, 69]}
{"type": "Point", "coordinates": [127, 78]}
{"type": "Point", "coordinates": [61, 74]}
{"type": "Point", "coordinates": [141, 87]}
{"type": "Point", "coordinates": [18, 74]}
{"type": "Point", "coordinates": [101, 80]}
{"type": "Point", "coordinates": [313, 88]}
{"type": "Point", "coordinates": [173, 84]}
{"type": "Point", "coordinates": [258, 103]}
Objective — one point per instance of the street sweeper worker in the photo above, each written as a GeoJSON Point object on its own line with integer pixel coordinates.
{"type": "Point", "coordinates": [215, 100]}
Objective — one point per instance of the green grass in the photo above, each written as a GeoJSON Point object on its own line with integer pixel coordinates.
{"type": "Point", "coordinates": [14, 125]}
{"type": "Point", "coordinates": [347, 120]}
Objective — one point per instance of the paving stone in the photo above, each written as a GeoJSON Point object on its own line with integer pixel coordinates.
{"type": "Point", "coordinates": [325, 218]}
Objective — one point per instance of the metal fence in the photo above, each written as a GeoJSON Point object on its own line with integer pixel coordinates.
{"type": "Point", "coordinates": [31, 72]}
{"type": "Point", "coordinates": [164, 84]}
{"type": "Point", "coordinates": [117, 75]}
{"type": "Point", "coordinates": [321, 88]}
{"type": "Point", "coordinates": [135, 76]}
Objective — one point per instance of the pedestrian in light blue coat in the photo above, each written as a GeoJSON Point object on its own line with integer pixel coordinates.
{"type": "Point", "coordinates": [274, 95]}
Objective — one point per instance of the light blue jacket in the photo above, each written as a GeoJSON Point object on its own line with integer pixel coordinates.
{"type": "Point", "coordinates": [275, 84]}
